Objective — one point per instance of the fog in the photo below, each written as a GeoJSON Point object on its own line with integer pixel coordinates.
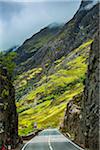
{"type": "Point", "coordinates": [21, 19]}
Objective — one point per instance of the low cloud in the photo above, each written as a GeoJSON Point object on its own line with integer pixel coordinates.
{"type": "Point", "coordinates": [20, 20]}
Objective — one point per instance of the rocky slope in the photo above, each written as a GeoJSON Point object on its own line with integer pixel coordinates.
{"type": "Point", "coordinates": [71, 126]}
{"type": "Point", "coordinates": [51, 68]}
{"type": "Point", "coordinates": [8, 114]}
{"type": "Point", "coordinates": [81, 119]}
{"type": "Point", "coordinates": [51, 44]}
{"type": "Point", "coordinates": [32, 46]}
{"type": "Point", "coordinates": [90, 101]}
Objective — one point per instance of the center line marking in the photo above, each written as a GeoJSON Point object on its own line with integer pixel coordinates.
{"type": "Point", "coordinates": [49, 143]}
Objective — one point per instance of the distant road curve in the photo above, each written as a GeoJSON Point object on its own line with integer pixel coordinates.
{"type": "Point", "coordinates": [50, 139]}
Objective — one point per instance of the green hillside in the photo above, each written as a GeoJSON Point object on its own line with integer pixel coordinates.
{"type": "Point", "coordinates": [51, 68]}
{"type": "Point", "coordinates": [50, 89]}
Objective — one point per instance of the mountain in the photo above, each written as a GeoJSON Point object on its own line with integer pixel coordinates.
{"type": "Point", "coordinates": [36, 50]}
{"type": "Point", "coordinates": [32, 45]}
{"type": "Point", "coordinates": [51, 68]}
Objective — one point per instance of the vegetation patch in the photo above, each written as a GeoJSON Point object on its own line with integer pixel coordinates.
{"type": "Point", "coordinates": [46, 102]}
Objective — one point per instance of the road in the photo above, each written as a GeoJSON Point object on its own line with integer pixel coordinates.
{"type": "Point", "coordinates": [51, 139]}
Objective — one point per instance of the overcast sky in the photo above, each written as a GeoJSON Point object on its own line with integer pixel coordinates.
{"type": "Point", "coordinates": [20, 19]}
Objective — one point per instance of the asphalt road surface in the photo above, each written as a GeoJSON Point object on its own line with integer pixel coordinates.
{"type": "Point", "coordinates": [50, 139]}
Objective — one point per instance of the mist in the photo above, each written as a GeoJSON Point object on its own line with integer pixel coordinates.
{"type": "Point", "coordinates": [20, 20]}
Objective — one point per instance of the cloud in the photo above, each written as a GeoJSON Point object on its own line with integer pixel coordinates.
{"type": "Point", "coordinates": [20, 20]}
{"type": "Point", "coordinates": [24, 0]}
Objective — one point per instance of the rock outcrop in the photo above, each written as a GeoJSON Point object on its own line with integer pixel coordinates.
{"type": "Point", "coordinates": [8, 114]}
{"type": "Point", "coordinates": [90, 102]}
{"type": "Point", "coordinates": [81, 120]}
{"type": "Point", "coordinates": [71, 126]}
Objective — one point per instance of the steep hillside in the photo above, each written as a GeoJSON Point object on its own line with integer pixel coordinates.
{"type": "Point", "coordinates": [51, 68]}
{"type": "Point", "coordinates": [46, 101]}
{"type": "Point", "coordinates": [51, 44]}
{"type": "Point", "coordinates": [32, 45]}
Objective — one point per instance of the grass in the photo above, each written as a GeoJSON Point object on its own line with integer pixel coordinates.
{"type": "Point", "coordinates": [45, 104]}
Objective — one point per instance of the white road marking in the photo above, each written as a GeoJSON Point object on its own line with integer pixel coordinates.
{"type": "Point", "coordinates": [27, 144]}
{"type": "Point", "coordinates": [47, 139]}
{"type": "Point", "coordinates": [49, 143]}
{"type": "Point", "coordinates": [71, 142]}
{"type": "Point", "coordinates": [76, 146]}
